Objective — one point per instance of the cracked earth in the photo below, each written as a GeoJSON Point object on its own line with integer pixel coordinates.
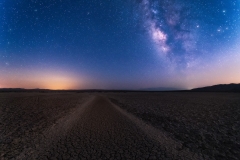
{"type": "Point", "coordinates": [119, 126]}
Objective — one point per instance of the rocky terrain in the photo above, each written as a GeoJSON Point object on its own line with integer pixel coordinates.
{"type": "Point", "coordinates": [119, 125]}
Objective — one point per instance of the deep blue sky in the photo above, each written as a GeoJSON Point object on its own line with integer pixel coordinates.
{"type": "Point", "coordinates": [119, 44]}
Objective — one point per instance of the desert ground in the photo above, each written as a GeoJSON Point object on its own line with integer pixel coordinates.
{"type": "Point", "coordinates": [120, 125]}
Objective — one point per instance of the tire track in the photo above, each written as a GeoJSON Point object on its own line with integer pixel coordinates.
{"type": "Point", "coordinates": [172, 147]}
{"type": "Point", "coordinates": [99, 129]}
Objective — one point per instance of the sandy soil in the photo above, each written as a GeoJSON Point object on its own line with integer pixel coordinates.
{"type": "Point", "coordinates": [119, 126]}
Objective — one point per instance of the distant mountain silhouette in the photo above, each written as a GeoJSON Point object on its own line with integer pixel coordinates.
{"type": "Point", "coordinates": [216, 88]}
{"type": "Point", "coordinates": [161, 89]}
{"type": "Point", "coordinates": [21, 90]}
{"type": "Point", "coordinates": [219, 88]}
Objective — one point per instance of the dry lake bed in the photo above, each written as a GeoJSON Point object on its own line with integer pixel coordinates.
{"type": "Point", "coordinates": [120, 125]}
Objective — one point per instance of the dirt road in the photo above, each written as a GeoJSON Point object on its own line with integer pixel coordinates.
{"type": "Point", "coordinates": [96, 130]}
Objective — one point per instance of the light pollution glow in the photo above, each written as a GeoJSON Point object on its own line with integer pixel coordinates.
{"type": "Point", "coordinates": [43, 80]}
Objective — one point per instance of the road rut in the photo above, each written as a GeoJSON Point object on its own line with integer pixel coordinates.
{"type": "Point", "coordinates": [97, 130]}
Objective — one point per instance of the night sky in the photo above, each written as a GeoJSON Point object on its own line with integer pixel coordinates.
{"type": "Point", "coordinates": [119, 44]}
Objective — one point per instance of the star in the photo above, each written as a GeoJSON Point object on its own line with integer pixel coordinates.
{"type": "Point", "coordinates": [120, 43]}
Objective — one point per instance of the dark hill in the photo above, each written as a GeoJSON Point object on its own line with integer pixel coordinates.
{"type": "Point", "coordinates": [219, 88]}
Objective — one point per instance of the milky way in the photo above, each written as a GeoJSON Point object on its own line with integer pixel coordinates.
{"type": "Point", "coordinates": [184, 29]}
{"type": "Point", "coordinates": [120, 44]}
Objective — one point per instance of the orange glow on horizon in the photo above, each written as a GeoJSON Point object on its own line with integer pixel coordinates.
{"type": "Point", "coordinates": [41, 80]}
